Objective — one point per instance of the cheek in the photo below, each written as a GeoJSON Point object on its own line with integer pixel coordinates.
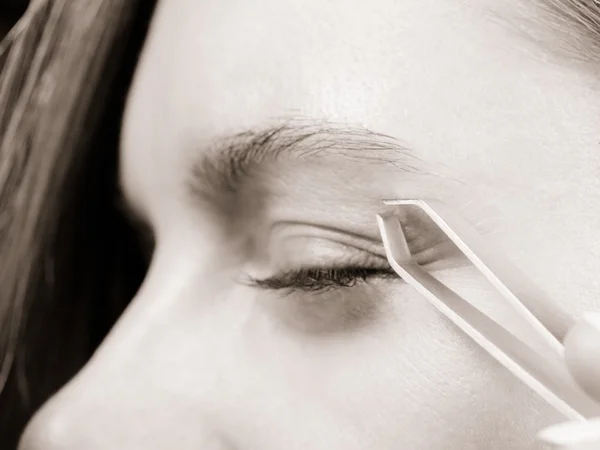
{"type": "Point", "coordinates": [410, 378]}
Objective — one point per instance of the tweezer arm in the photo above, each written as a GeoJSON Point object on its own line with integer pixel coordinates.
{"type": "Point", "coordinates": [531, 367]}
{"type": "Point", "coordinates": [542, 372]}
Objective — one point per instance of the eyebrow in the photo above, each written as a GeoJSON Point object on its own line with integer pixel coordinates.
{"type": "Point", "coordinates": [232, 161]}
{"type": "Point", "coordinates": [228, 176]}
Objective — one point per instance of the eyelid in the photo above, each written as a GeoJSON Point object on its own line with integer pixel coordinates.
{"type": "Point", "coordinates": [341, 257]}
{"type": "Point", "coordinates": [428, 245]}
{"type": "Point", "coordinates": [339, 250]}
{"type": "Point", "coordinates": [301, 246]}
{"type": "Point", "coordinates": [359, 241]}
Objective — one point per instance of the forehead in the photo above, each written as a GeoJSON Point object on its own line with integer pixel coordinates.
{"type": "Point", "coordinates": [237, 63]}
{"type": "Point", "coordinates": [448, 78]}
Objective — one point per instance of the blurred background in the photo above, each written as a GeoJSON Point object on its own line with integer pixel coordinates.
{"type": "Point", "coordinates": [10, 12]}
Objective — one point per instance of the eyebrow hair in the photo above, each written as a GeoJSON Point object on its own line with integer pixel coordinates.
{"type": "Point", "coordinates": [235, 159]}
{"type": "Point", "coordinates": [228, 176]}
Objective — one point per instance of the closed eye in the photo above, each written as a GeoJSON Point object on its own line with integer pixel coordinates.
{"type": "Point", "coordinates": [323, 279]}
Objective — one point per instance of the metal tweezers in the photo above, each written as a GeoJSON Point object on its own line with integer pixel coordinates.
{"type": "Point", "coordinates": [543, 369]}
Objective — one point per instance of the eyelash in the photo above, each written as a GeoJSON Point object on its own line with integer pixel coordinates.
{"type": "Point", "coordinates": [323, 279]}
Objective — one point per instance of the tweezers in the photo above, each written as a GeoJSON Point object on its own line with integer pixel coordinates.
{"type": "Point", "coordinates": [542, 369]}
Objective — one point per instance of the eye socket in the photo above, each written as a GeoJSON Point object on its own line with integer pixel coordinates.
{"type": "Point", "coordinates": [323, 279]}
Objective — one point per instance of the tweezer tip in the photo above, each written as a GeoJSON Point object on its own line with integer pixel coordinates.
{"type": "Point", "coordinates": [402, 201]}
{"type": "Point", "coordinates": [393, 237]}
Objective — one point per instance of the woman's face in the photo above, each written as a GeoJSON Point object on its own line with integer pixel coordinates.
{"type": "Point", "coordinates": [259, 139]}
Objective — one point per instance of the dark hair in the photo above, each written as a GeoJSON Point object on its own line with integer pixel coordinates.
{"type": "Point", "coordinates": [69, 261]}
{"type": "Point", "coordinates": [10, 12]}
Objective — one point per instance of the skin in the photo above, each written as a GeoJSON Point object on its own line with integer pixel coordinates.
{"type": "Point", "coordinates": [201, 361]}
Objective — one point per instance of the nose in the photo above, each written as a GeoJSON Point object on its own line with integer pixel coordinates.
{"type": "Point", "coordinates": [55, 428]}
{"type": "Point", "coordinates": [150, 385]}
{"type": "Point", "coordinates": [99, 410]}
{"type": "Point", "coordinates": [51, 428]}
{"type": "Point", "coordinates": [66, 423]}
{"type": "Point", "coordinates": [90, 413]}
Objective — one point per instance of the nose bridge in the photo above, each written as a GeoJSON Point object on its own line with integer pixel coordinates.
{"type": "Point", "coordinates": [182, 292]}
{"type": "Point", "coordinates": [174, 284]}
{"type": "Point", "coordinates": [156, 368]}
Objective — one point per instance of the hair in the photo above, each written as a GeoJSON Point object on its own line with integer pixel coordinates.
{"type": "Point", "coordinates": [69, 261]}
{"type": "Point", "coordinates": [564, 29]}
{"type": "Point", "coordinates": [578, 23]}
